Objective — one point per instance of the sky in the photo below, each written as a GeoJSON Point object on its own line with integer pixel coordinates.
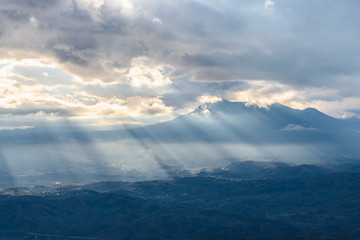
{"type": "Point", "coordinates": [108, 62]}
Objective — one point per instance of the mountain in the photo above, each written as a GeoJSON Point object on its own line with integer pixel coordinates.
{"type": "Point", "coordinates": [276, 133]}
{"type": "Point", "coordinates": [223, 121]}
{"type": "Point", "coordinates": [210, 137]}
{"type": "Point", "coordinates": [227, 121]}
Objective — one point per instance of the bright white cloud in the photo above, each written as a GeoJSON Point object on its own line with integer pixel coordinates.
{"type": "Point", "coordinates": [138, 106]}
{"type": "Point", "coordinates": [269, 4]}
{"type": "Point", "coordinates": [264, 93]}
{"type": "Point", "coordinates": [206, 98]}
{"type": "Point", "coordinates": [342, 108]}
{"type": "Point", "coordinates": [14, 127]}
{"type": "Point", "coordinates": [92, 3]}
{"type": "Point", "coordinates": [157, 20]}
{"type": "Point", "coordinates": [23, 94]}
{"type": "Point", "coordinates": [327, 100]}
{"type": "Point", "coordinates": [144, 73]}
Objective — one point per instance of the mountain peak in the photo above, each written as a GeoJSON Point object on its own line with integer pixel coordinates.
{"type": "Point", "coordinates": [229, 107]}
{"type": "Point", "coordinates": [222, 105]}
{"type": "Point", "coordinates": [275, 116]}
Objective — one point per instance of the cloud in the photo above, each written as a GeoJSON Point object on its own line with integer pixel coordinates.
{"type": "Point", "coordinates": [14, 127]}
{"type": "Point", "coordinates": [139, 105]}
{"type": "Point", "coordinates": [269, 4]}
{"type": "Point", "coordinates": [126, 49]}
{"type": "Point", "coordinates": [208, 99]}
{"type": "Point", "coordinates": [38, 88]}
{"type": "Point", "coordinates": [228, 41]}
{"type": "Point", "coordinates": [143, 73]}
{"type": "Point", "coordinates": [326, 99]}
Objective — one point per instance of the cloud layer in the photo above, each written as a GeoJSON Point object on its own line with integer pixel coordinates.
{"type": "Point", "coordinates": [129, 59]}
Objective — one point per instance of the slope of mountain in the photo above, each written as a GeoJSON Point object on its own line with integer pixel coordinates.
{"type": "Point", "coordinates": [236, 122]}
{"type": "Point", "coordinates": [222, 121]}
{"type": "Point", "coordinates": [204, 138]}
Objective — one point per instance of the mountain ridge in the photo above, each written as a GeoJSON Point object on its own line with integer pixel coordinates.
{"type": "Point", "coordinates": [193, 141]}
{"type": "Point", "coordinates": [237, 118]}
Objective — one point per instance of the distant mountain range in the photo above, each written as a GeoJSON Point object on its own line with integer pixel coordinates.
{"type": "Point", "coordinates": [227, 121]}
{"type": "Point", "coordinates": [211, 136]}
{"type": "Point", "coordinates": [223, 121]}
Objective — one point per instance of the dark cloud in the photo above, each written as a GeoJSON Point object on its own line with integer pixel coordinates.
{"type": "Point", "coordinates": [76, 49]}
{"type": "Point", "coordinates": [27, 109]}
{"type": "Point", "coordinates": [297, 42]}
{"type": "Point", "coordinates": [301, 44]}
{"type": "Point", "coordinates": [14, 15]}
{"type": "Point", "coordinates": [80, 14]}
{"type": "Point", "coordinates": [287, 65]}
{"type": "Point", "coordinates": [32, 4]}
{"type": "Point", "coordinates": [70, 56]}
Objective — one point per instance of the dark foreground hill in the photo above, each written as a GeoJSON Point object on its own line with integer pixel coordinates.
{"type": "Point", "coordinates": [117, 216]}
{"type": "Point", "coordinates": [314, 204]}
